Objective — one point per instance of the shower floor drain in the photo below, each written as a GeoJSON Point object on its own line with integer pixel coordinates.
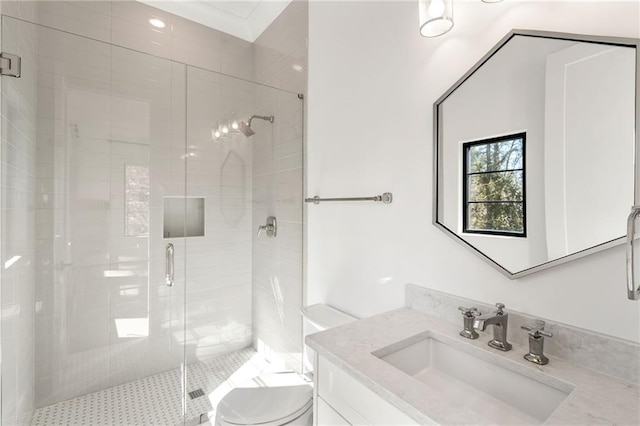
{"type": "Point", "coordinates": [196, 393]}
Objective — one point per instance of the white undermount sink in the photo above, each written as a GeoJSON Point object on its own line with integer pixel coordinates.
{"type": "Point", "coordinates": [478, 382]}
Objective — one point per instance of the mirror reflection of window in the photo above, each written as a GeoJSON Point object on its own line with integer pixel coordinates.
{"type": "Point", "coordinates": [136, 200]}
{"type": "Point", "coordinates": [494, 186]}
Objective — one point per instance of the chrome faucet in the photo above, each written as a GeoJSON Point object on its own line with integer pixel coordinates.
{"type": "Point", "coordinates": [499, 322]}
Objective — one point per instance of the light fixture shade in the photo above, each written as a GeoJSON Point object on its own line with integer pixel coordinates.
{"type": "Point", "coordinates": [436, 17]}
{"type": "Point", "coordinates": [158, 23]}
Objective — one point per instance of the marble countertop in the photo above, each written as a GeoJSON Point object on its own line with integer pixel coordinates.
{"type": "Point", "coordinates": [594, 399]}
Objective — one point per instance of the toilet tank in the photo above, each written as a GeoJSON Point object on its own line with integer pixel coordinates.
{"type": "Point", "coordinates": [319, 317]}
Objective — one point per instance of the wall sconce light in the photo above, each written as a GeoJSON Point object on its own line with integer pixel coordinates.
{"type": "Point", "coordinates": [436, 17]}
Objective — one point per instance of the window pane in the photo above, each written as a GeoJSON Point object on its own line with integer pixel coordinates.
{"type": "Point", "coordinates": [495, 156]}
{"type": "Point", "coordinates": [136, 195]}
{"type": "Point", "coordinates": [504, 217]}
{"type": "Point", "coordinates": [499, 186]}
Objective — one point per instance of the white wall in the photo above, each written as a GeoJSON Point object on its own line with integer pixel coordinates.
{"type": "Point", "coordinates": [372, 84]}
{"type": "Point", "coordinates": [577, 130]}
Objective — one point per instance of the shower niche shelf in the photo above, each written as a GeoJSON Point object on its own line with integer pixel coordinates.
{"type": "Point", "coordinates": [183, 217]}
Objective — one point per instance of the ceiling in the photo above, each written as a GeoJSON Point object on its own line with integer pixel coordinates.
{"type": "Point", "coordinates": [245, 19]}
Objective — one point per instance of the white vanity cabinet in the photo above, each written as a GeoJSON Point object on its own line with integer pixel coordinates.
{"type": "Point", "coordinates": [339, 399]}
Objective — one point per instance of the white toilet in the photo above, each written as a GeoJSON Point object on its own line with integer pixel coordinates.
{"type": "Point", "coordinates": [290, 404]}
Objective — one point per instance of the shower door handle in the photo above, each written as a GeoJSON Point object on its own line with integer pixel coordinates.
{"type": "Point", "coordinates": [633, 292]}
{"type": "Point", "coordinates": [169, 265]}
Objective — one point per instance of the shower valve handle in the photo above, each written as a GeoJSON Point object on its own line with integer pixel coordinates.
{"type": "Point", "coordinates": [271, 227]}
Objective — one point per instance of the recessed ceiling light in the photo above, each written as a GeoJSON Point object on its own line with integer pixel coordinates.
{"type": "Point", "coordinates": [158, 23]}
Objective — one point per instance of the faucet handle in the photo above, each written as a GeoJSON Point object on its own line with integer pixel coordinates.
{"type": "Point", "coordinates": [537, 329]}
{"type": "Point", "coordinates": [500, 307]}
{"type": "Point", "coordinates": [468, 318]}
{"type": "Point", "coordinates": [536, 343]}
{"type": "Point", "coordinates": [469, 312]}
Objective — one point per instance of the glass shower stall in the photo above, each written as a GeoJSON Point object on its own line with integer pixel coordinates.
{"type": "Point", "coordinates": [133, 284]}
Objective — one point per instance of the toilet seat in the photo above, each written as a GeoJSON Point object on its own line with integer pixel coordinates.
{"type": "Point", "coordinates": [266, 406]}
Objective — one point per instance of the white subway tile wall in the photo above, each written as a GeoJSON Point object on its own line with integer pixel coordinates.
{"type": "Point", "coordinates": [219, 264]}
{"type": "Point", "coordinates": [91, 309]}
{"type": "Point", "coordinates": [281, 51]}
{"type": "Point", "coordinates": [277, 292]}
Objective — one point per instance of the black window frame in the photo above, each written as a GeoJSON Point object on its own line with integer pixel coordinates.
{"type": "Point", "coordinates": [465, 185]}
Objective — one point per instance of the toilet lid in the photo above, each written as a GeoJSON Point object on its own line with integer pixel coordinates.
{"type": "Point", "coordinates": [250, 406]}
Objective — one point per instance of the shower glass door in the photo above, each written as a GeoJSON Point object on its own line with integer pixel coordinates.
{"type": "Point", "coordinates": [117, 166]}
{"type": "Point", "coordinates": [93, 191]}
{"type": "Point", "coordinates": [244, 289]}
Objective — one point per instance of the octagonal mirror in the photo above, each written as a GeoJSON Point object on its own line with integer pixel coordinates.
{"type": "Point", "coordinates": [535, 149]}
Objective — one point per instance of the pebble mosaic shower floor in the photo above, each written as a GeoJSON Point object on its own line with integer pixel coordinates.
{"type": "Point", "coordinates": [155, 400]}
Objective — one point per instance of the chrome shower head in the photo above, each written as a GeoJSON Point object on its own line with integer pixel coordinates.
{"type": "Point", "coordinates": [246, 129]}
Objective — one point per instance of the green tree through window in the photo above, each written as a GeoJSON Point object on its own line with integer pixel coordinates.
{"type": "Point", "coordinates": [494, 186]}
